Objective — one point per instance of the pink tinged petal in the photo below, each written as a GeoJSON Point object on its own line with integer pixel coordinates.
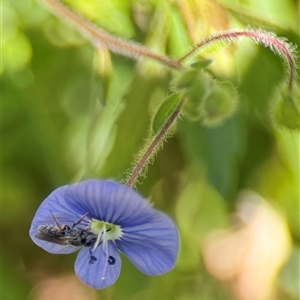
{"type": "Point", "coordinates": [109, 201]}
{"type": "Point", "coordinates": [151, 247]}
{"type": "Point", "coordinates": [106, 265]}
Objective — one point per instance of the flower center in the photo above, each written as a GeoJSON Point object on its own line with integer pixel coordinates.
{"type": "Point", "coordinates": [105, 230]}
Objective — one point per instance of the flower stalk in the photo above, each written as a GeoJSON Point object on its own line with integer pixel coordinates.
{"type": "Point", "coordinates": [153, 147]}
{"type": "Point", "coordinates": [278, 45]}
{"type": "Point", "coordinates": [133, 50]}
{"type": "Point", "coordinates": [113, 43]}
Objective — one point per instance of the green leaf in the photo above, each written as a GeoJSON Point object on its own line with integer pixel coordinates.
{"type": "Point", "coordinates": [179, 41]}
{"type": "Point", "coordinates": [201, 63]}
{"type": "Point", "coordinates": [290, 274]}
{"type": "Point", "coordinates": [214, 151]}
{"type": "Point", "coordinates": [199, 210]}
{"type": "Point", "coordinates": [103, 126]}
{"type": "Point", "coordinates": [286, 108]}
{"type": "Point", "coordinates": [164, 112]}
{"type": "Point", "coordinates": [14, 277]}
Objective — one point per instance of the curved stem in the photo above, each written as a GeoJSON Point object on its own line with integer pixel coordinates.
{"type": "Point", "coordinates": [134, 50]}
{"type": "Point", "coordinates": [277, 45]}
{"type": "Point", "coordinates": [151, 150]}
{"type": "Point", "coordinates": [115, 44]}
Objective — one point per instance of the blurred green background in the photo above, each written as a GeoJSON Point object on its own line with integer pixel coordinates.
{"type": "Point", "coordinates": [71, 112]}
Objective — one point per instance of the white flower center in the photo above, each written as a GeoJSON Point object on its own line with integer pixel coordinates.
{"type": "Point", "coordinates": [110, 231]}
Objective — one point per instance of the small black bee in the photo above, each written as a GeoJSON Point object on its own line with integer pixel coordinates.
{"type": "Point", "coordinates": [65, 235]}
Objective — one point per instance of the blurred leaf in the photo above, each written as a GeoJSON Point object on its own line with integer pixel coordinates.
{"type": "Point", "coordinates": [179, 41]}
{"type": "Point", "coordinates": [286, 107]}
{"type": "Point", "coordinates": [112, 15]}
{"type": "Point", "coordinates": [14, 285]}
{"type": "Point", "coordinates": [290, 276]}
{"type": "Point", "coordinates": [16, 52]}
{"type": "Point", "coordinates": [103, 118]}
{"type": "Point", "coordinates": [278, 12]}
{"type": "Point", "coordinates": [199, 210]}
{"type": "Point", "coordinates": [133, 124]}
{"type": "Point", "coordinates": [289, 149]}
{"type": "Point", "coordinates": [215, 152]}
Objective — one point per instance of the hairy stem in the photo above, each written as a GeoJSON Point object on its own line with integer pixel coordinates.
{"type": "Point", "coordinates": [134, 50]}
{"type": "Point", "coordinates": [115, 44]}
{"type": "Point", "coordinates": [267, 39]}
{"type": "Point", "coordinates": [153, 147]}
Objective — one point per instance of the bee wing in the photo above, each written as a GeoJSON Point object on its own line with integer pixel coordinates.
{"type": "Point", "coordinates": [63, 240]}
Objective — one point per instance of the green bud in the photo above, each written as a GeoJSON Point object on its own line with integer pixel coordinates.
{"type": "Point", "coordinates": [220, 104]}
{"type": "Point", "coordinates": [286, 110]}
{"type": "Point", "coordinates": [195, 95]}
{"type": "Point", "coordinates": [204, 97]}
{"type": "Point", "coordinates": [190, 77]}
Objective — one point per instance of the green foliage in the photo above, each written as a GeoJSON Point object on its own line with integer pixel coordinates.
{"type": "Point", "coordinates": [164, 112]}
{"type": "Point", "coordinates": [286, 108]}
{"type": "Point", "coordinates": [289, 276]}
{"type": "Point", "coordinates": [103, 128]}
{"type": "Point", "coordinates": [64, 120]}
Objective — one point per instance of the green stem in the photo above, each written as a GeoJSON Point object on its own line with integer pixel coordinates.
{"type": "Point", "coordinates": [134, 50]}
{"type": "Point", "coordinates": [115, 44]}
{"type": "Point", "coordinates": [278, 45]}
{"type": "Point", "coordinates": [152, 149]}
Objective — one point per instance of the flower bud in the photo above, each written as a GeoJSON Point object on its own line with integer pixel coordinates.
{"type": "Point", "coordinates": [195, 95]}
{"type": "Point", "coordinates": [189, 77]}
{"type": "Point", "coordinates": [220, 104]}
{"type": "Point", "coordinates": [204, 97]}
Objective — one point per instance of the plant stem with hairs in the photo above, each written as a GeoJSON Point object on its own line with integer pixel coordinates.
{"type": "Point", "coordinates": [131, 49]}
{"type": "Point", "coordinates": [115, 44]}
{"type": "Point", "coordinates": [153, 146]}
{"type": "Point", "coordinates": [278, 45]}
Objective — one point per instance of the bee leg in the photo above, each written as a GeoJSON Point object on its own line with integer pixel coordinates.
{"type": "Point", "coordinates": [59, 227]}
{"type": "Point", "coordinates": [89, 227]}
{"type": "Point", "coordinates": [80, 220]}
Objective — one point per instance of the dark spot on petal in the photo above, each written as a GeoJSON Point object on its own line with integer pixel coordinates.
{"type": "Point", "coordinates": [111, 260]}
{"type": "Point", "coordinates": [92, 259]}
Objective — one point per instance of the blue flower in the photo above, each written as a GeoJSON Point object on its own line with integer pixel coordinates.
{"type": "Point", "coordinates": [101, 218]}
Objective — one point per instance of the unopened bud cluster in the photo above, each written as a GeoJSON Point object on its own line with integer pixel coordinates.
{"type": "Point", "coordinates": [206, 99]}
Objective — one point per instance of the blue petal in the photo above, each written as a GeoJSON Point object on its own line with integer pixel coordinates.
{"type": "Point", "coordinates": [109, 201]}
{"type": "Point", "coordinates": [92, 273]}
{"type": "Point", "coordinates": [151, 247]}
{"type": "Point", "coordinates": [65, 214]}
